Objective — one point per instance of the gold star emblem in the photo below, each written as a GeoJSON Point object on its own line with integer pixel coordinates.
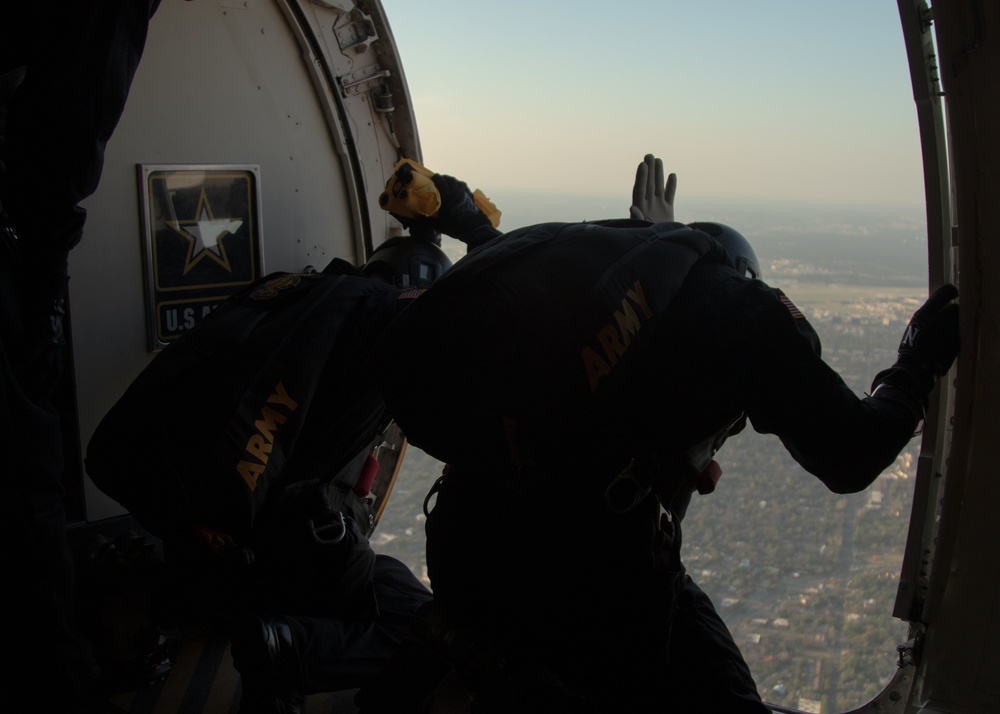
{"type": "Point", "coordinates": [205, 235]}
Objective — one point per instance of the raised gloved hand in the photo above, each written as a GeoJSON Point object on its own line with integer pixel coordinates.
{"type": "Point", "coordinates": [652, 199]}
{"type": "Point", "coordinates": [928, 347]}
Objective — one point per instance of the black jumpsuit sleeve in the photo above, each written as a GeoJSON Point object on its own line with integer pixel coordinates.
{"type": "Point", "coordinates": [791, 392]}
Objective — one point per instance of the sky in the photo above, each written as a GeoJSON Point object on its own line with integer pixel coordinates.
{"type": "Point", "coordinates": [771, 101]}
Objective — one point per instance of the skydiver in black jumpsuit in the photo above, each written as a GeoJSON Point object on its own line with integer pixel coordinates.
{"type": "Point", "coordinates": [308, 609]}
{"type": "Point", "coordinates": [594, 371]}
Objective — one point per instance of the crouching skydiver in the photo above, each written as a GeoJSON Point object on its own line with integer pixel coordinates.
{"type": "Point", "coordinates": [246, 446]}
{"type": "Point", "coordinates": [584, 376]}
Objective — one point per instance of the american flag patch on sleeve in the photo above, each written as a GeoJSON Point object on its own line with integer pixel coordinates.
{"type": "Point", "coordinates": [796, 313]}
{"type": "Point", "coordinates": [412, 293]}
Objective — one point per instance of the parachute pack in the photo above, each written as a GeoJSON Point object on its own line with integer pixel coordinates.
{"type": "Point", "coordinates": [267, 389]}
{"type": "Point", "coordinates": [535, 345]}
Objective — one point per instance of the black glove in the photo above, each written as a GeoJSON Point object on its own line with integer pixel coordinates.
{"type": "Point", "coordinates": [299, 527]}
{"type": "Point", "coordinates": [296, 503]}
{"type": "Point", "coordinates": [931, 339]}
{"type": "Point", "coordinates": [309, 556]}
{"type": "Point", "coordinates": [928, 348]}
{"type": "Point", "coordinates": [459, 215]}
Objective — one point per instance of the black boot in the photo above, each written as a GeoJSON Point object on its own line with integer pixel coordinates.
{"type": "Point", "coordinates": [264, 654]}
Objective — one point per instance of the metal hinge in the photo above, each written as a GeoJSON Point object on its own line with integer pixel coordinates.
{"type": "Point", "coordinates": [358, 34]}
{"type": "Point", "coordinates": [356, 82]}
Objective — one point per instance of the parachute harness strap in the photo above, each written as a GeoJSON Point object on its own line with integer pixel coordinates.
{"type": "Point", "coordinates": [433, 492]}
{"type": "Point", "coordinates": [627, 490]}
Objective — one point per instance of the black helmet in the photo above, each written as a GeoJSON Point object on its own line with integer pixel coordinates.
{"type": "Point", "coordinates": [737, 247]}
{"type": "Point", "coordinates": [407, 262]}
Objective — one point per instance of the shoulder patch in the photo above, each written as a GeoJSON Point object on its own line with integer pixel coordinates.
{"type": "Point", "coordinates": [795, 312]}
{"type": "Point", "coordinates": [272, 287]}
{"type": "Point", "coordinates": [412, 294]}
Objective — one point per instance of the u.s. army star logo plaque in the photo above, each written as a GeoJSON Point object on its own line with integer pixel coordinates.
{"type": "Point", "coordinates": [202, 240]}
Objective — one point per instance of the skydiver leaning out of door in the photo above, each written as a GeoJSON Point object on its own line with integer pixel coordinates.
{"type": "Point", "coordinates": [584, 376]}
{"type": "Point", "coordinates": [241, 446]}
